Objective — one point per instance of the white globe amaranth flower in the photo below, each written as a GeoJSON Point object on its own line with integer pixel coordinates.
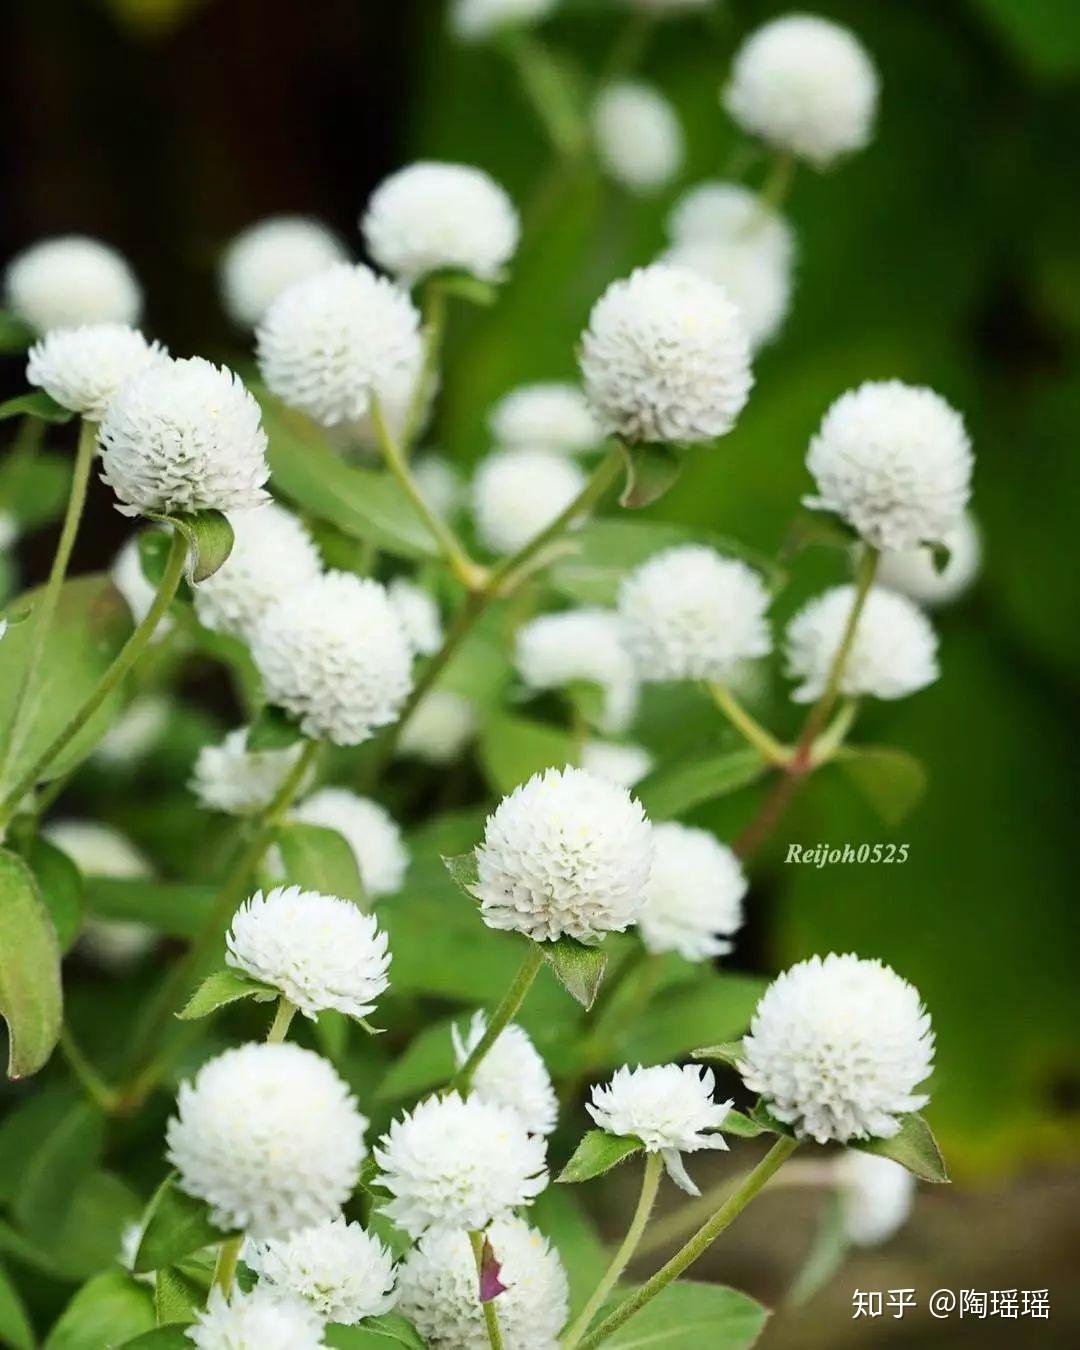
{"type": "Point", "coordinates": [512, 1074]}
{"type": "Point", "coordinates": [370, 831]}
{"type": "Point", "coordinates": [876, 1196]}
{"type": "Point", "coordinates": [419, 615]}
{"type": "Point", "coordinates": [127, 575]}
{"type": "Point", "coordinates": [319, 951]}
{"type": "Point", "coordinates": [759, 288]}
{"type": "Point", "coordinates": [717, 209]}
{"type": "Point", "coordinates": [912, 571]}
{"type": "Point", "coordinates": [564, 854]}
{"type": "Point", "coordinates": [666, 357]}
{"type": "Point", "coordinates": [267, 257]}
{"type": "Point", "coordinates": [893, 654]}
{"type": "Point", "coordinates": [837, 1048]}
{"type": "Point", "coordinates": [550, 415]}
{"type": "Point", "coordinates": [437, 1289]}
{"type": "Point", "coordinates": [616, 761]}
{"type": "Point", "coordinates": [184, 436]}
{"type": "Point", "coordinates": [272, 554]}
{"type": "Point", "coordinates": [71, 280]}
{"type": "Point", "coordinates": [472, 20]}
{"type": "Point", "coordinates": [343, 1272]}
{"type": "Point", "coordinates": [270, 1137]}
{"type": "Point", "coordinates": [231, 778]}
{"type": "Point", "coordinates": [431, 216]}
{"type": "Point", "coordinates": [586, 644]}
{"type": "Point", "coordinates": [691, 614]}
{"type": "Point", "coordinates": [82, 368]}
{"type": "Point", "coordinates": [439, 728]}
{"type": "Point", "coordinates": [453, 1163]}
{"type": "Point", "coordinates": [263, 1319]}
{"type": "Point", "coordinates": [893, 460]}
{"type": "Point", "coordinates": [693, 902]}
{"type": "Point", "coordinates": [135, 732]}
{"type": "Point", "coordinates": [669, 1107]}
{"type": "Point", "coordinates": [804, 85]}
{"type": "Point", "coordinates": [335, 656]}
{"type": "Point", "coordinates": [638, 136]}
{"type": "Point", "coordinates": [518, 493]}
{"type": "Point", "coordinates": [330, 344]}
{"type": "Point", "coordinates": [440, 484]}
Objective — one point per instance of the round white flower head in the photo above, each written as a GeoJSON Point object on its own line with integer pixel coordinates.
{"type": "Point", "coordinates": [317, 950]}
{"type": "Point", "coordinates": [458, 1164]}
{"type": "Point", "coordinates": [334, 655]}
{"type": "Point", "coordinates": [894, 652]}
{"type": "Point", "coordinates": [693, 902]}
{"type": "Point", "coordinates": [668, 1107]}
{"type": "Point", "coordinates": [419, 615]}
{"type": "Point", "coordinates": [135, 732]}
{"type": "Point", "coordinates": [546, 416]}
{"type": "Point", "coordinates": [184, 436]}
{"type": "Point", "coordinates": [837, 1047]}
{"type": "Point", "coordinates": [564, 853]}
{"type": "Point", "coordinates": [343, 1272]}
{"type": "Point", "coordinates": [616, 761]}
{"type": "Point", "coordinates": [440, 727]}
{"type": "Point", "coordinates": [272, 554]}
{"type": "Point", "coordinates": [581, 644]}
{"type": "Point", "coordinates": [471, 20]}
{"type": "Point", "coordinates": [894, 460]}
{"type": "Point", "coordinates": [912, 571]}
{"type": "Point", "coordinates": [127, 575]}
{"type": "Point", "coordinates": [71, 280]}
{"type": "Point", "coordinates": [665, 357]}
{"type": "Point", "coordinates": [430, 216]}
{"type": "Point", "coordinates": [440, 484]}
{"type": "Point", "coordinates": [437, 1289]}
{"type": "Point", "coordinates": [518, 493]}
{"type": "Point", "coordinates": [715, 209]}
{"type": "Point", "coordinates": [82, 368]}
{"type": "Point", "coordinates": [231, 778]}
{"type": "Point", "coordinates": [267, 257]}
{"type": "Point", "coordinates": [805, 85]}
{"type": "Point", "coordinates": [270, 1137]}
{"type": "Point", "coordinates": [329, 344]}
{"type": "Point", "coordinates": [876, 1196]}
{"type": "Point", "coordinates": [263, 1319]}
{"type": "Point", "coordinates": [690, 614]}
{"type": "Point", "coordinates": [759, 287]}
{"type": "Point", "coordinates": [369, 830]}
{"type": "Point", "coordinates": [512, 1074]}
{"type": "Point", "coordinates": [638, 136]}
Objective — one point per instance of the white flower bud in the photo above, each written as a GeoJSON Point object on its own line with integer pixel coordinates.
{"type": "Point", "coordinates": [267, 257]}
{"type": "Point", "coordinates": [439, 728]}
{"type": "Point", "coordinates": [547, 416]}
{"type": "Point", "coordinates": [876, 1196]}
{"type": "Point", "coordinates": [585, 644]}
{"type": "Point", "coordinates": [617, 762]}
{"type": "Point", "coordinates": [419, 615]}
{"type": "Point", "coordinates": [638, 136]}
{"type": "Point", "coordinates": [71, 280]}
{"type": "Point", "coordinates": [512, 1074]}
{"type": "Point", "coordinates": [369, 830]}
{"type": "Point", "coordinates": [693, 902]}
{"type": "Point", "coordinates": [518, 493]}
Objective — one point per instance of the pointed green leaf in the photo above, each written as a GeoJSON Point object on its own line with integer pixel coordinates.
{"type": "Point", "coordinates": [221, 988]}
{"type": "Point", "coordinates": [376, 1333]}
{"type": "Point", "coordinates": [650, 471]}
{"type": "Point", "coordinates": [209, 537]}
{"type": "Point", "coordinates": [107, 1311]}
{"type": "Point", "coordinates": [462, 868]}
{"type": "Point", "coordinates": [176, 1224]}
{"type": "Point", "coordinates": [691, 1316]}
{"type": "Point", "coordinates": [892, 781]}
{"type": "Point", "coordinates": [512, 749]}
{"type": "Point", "coordinates": [319, 859]}
{"type": "Point", "coordinates": [36, 404]}
{"type": "Point", "coordinates": [727, 1052]}
{"type": "Point", "coordinates": [579, 969]}
{"type": "Point", "coordinates": [760, 1115]}
{"type": "Point", "coordinates": [24, 1125]}
{"type": "Point", "coordinates": [60, 887]}
{"type": "Point", "coordinates": [176, 1297]}
{"type": "Point", "coordinates": [741, 1126]}
{"type": "Point", "coordinates": [673, 789]}
{"type": "Point", "coordinates": [31, 1002]}
{"type": "Point", "coordinates": [15, 1328]}
{"type": "Point", "coordinates": [60, 1162]}
{"type": "Point", "coordinates": [34, 488]}
{"type": "Point", "coordinates": [598, 1153]}
{"type": "Point", "coordinates": [820, 529]}
{"type": "Point", "coordinates": [914, 1148]}
{"type": "Point", "coordinates": [428, 1061]}
{"type": "Point", "coordinates": [172, 907]}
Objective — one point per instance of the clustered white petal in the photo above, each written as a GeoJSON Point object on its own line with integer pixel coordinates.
{"type": "Point", "coordinates": [439, 727]}
{"type": "Point", "coordinates": [669, 1107]}
{"type": "Point", "coordinates": [272, 554]}
{"type": "Point", "coordinates": [127, 575]}
{"type": "Point", "coordinates": [334, 655]}
{"type": "Point", "coordinates": [267, 257]}
{"type": "Point", "coordinates": [638, 136]}
{"type": "Point", "coordinates": [512, 1074]}
{"type": "Point", "coordinates": [231, 778]}
{"type": "Point", "coordinates": [317, 950]}
{"type": "Point", "coordinates": [518, 493]}
{"type": "Point", "coordinates": [666, 358]}
{"type": "Point", "coordinates": [893, 654]}
{"type": "Point", "coordinates": [693, 902]}
{"type": "Point", "coordinates": [71, 280]}
{"type": "Point", "coordinates": [584, 644]}
{"type": "Point", "coordinates": [912, 571]}
{"type": "Point", "coordinates": [438, 1289]}
{"type": "Point", "coordinates": [564, 854]}
{"type": "Point", "coordinates": [370, 831]}
{"type": "Point", "coordinates": [804, 85]}
{"type": "Point", "coordinates": [876, 1196]}
{"type": "Point", "coordinates": [431, 216]}
{"type": "Point", "coordinates": [837, 1047]}
{"type": "Point", "coordinates": [341, 1271]}
{"type": "Point", "coordinates": [331, 343]}
{"type": "Point", "coordinates": [419, 615]}
{"type": "Point", "coordinates": [550, 416]}
{"type": "Point", "coordinates": [263, 1319]}
{"type": "Point", "coordinates": [474, 19]}
{"type": "Point", "coordinates": [82, 368]}
{"type": "Point", "coordinates": [894, 460]}
{"type": "Point", "coordinates": [691, 614]}
{"type": "Point", "coordinates": [455, 1164]}
{"type": "Point", "coordinates": [184, 436]}
{"type": "Point", "coordinates": [616, 761]}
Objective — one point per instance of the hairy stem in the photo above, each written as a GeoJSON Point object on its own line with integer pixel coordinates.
{"type": "Point", "coordinates": [501, 1017]}
{"type": "Point", "coordinates": [491, 1315]}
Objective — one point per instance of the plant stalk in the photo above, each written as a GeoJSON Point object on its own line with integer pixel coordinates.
{"type": "Point", "coordinates": [283, 1016]}
{"type": "Point", "coordinates": [501, 1017]}
{"type": "Point", "coordinates": [751, 730]}
{"type": "Point", "coordinates": [491, 1315]}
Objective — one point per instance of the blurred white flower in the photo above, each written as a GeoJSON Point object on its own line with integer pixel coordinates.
{"type": "Point", "coordinates": [263, 1319]}
{"type": "Point", "coordinates": [471, 20]}
{"type": "Point", "coordinates": [549, 415]}
{"type": "Point", "coordinates": [9, 530]}
{"type": "Point", "coordinates": [97, 850]}
{"type": "Point", "coordinates": [912, 571]}
{"type": "Point", "coordinates": [126, 574]}
{"type": "Point", "coordinates": [419, 615]}
{"type": "Point", "coordinates": [231, 778]}
{"type": "Point", "coordinates": [588, 645]}
{"type": "Point", "coordinates": [343, 1272]}
{"type": "Point", "coordinates": [616, 761]}
{"type": "Point", "coordinates": [440, 484]}
{"type": "Point", "coordinates": [439, 728]}
{"type": "Point", "coordinates": [876, 1196]}
{"type": "Point", "coordinates": [518, 493]}
{"type": "Point", "coordinates": [638, 136]}
{"type": "Point", "coordinates": [512, 1074]}
{"type": "Point", "coordinates": [135, 732]}
{"type": "Point", "coordinates": [267, 257]}
{"type": "Point", "coordinates": [369, 830]}
{"type": "Point", "coordinates": [693, 902]}
{"type": "Point", "coordinates": [71, 280]}
{"type": "Point", "coordinates": [82, 368]}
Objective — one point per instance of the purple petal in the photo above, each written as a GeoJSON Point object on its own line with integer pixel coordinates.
{"type": "Point", "coordinates": [490, 1269]}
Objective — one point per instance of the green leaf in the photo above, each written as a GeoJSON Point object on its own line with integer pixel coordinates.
{"type": "Point", "coordinates": [60, 887]}
{"type": "Point", "coordinates": [464, 286]}
{"type": "Point", "coordinates": [462, 868]}
{"type": "Point", "coordinates": [512, 749]}
{"type": "Point", "coordinates": [90, 1233]}
{"type": "Point", "coordinates": [914, 1148]}
{"type": "Point", "coordinates": [272, 729]}
{"type": "Point", "coordinates": [598, 1153]}
{"type": "Point", "coordinates": [176, 1297]}
{"type": "Point", "coordinates": [34, 488]}
{"type": "Point", "coordinates": [579, 969]}
{"type": "Point", "coordinates": [741, 1126]}
{"type": "Point", "coordinates": [673, 789]}
{"type": "Point", "coordinates": [15, 1328]}
{"type": "Point", "coordinates": [722, 1001]}
{"type": "Point", "coordinates": [726, 1052]}
{"type": "Point", "coordinates": [24, 1125]}
{"type": "Point", "coordinates": [690, 1316]}
{"type": "Point", "coordinates": [15, 334]}
{"type": "Point", "coordinates": [176, 1224]}
{"type": "Point", "coordinates": [221, 988]}
{"type": "Point", "coordinates": [108, 1310]}
{"type": "Point", "coordinates": [650, 471]}
{"type": "Point", "coordinates": [818, 529]}
{"type": "Point", "coordinates": [319, 859]}
{"type": "Point", "coordinates": [161, 1338]}
{"type": "Point", "coordinates": [209, 538]}
{"type": "Point", "coordinates": [892, 781]}
{"type": "Point", "coordinates": [175, 908]}
{"type": "Point", "coordinates": [60, 1162]}
{"type": "Point", "coordinates": [376, 1333]}
{"type": "Point", "coordinates": [760, 1115]}
{"type": "Point", "coordinates": [31, 1001]}
{"type": "Point", "coordinates": [428, 1061]}
{"type": "Point", "coordinates": [36, 403]}
{"type": "Point", "coordinates": [154, 547]}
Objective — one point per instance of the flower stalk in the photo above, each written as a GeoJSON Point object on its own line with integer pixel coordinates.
{"type": "Point", "coordinates": [503, 1015]}
{"type": "Point", "coordinates": [491, 1315]}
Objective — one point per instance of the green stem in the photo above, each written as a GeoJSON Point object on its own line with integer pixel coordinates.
{"type": "Point", "coordinates": [491, 1315]}
{"type": "Point", "coordinates": [778, 181]}
{"type": "Point", "coordinates": [548, 92]}
{"type": "Point", "coordinates": [650, 1183]}
{"type": "Point", "coordinates": [228, 1258]}
{"type": "Point", "coordinates": [629, 47]}
{"type": "Point", "coordinates": [502, 1016]}
{"type": "Point", "coordinates": [90, 1080]}
{"type": "Point", "coordinates": [835, 734]}
{"type": "Point", "coordinates": [748, 727]}
{"type": "Point", "coordinates": [434, 330]}
{"type": "Point", "coordinates": [125, 659]}
{"type": "Point", "coordinates": [705, 1236]}
{"type": "Point", "coordinates": [283, 1017]}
